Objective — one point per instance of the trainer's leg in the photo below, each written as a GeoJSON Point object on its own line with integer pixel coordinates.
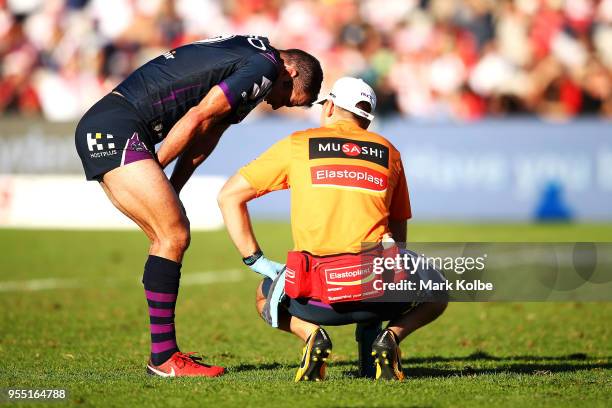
{"type": "Point", "coordinates": [141, 191]}
{"type": "Point", "coordinates": [317, 344]}
{"type": "Point", "coordinates": [418, 317]}
{"type": "Point", "coordinates": [365, 334]}
{"type": "Point", "coordinates": [286, 322]}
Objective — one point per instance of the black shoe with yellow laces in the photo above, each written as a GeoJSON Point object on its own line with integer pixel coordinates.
{"type": "Point", "coordinates": [317, 349]}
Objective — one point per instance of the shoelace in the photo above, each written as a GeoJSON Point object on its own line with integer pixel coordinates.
{"type": "Point", "coordinates": [190, 358]}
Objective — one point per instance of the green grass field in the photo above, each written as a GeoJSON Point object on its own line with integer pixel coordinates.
{"type": "Point", "coordinates": [87, 331]}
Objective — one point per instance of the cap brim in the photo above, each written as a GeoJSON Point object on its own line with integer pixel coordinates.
{"type": "Point", "coordinates": [321, 100]}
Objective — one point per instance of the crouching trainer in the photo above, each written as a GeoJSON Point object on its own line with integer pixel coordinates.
{"type": "Point", "coordinates": [347, 188]}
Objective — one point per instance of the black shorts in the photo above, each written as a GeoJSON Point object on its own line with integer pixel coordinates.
{"type": "Point", "coordinates": [342, 313]}
{"type": "Point", "coordinates": [111, 135]}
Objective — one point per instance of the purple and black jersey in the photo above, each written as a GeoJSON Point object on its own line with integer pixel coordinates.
{"type": "Point", "coordinates": [165, 88]}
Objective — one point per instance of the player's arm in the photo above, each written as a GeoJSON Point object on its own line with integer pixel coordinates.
{"type": "Point", "coordinates": [197, 151]}
{"type": "Point", "coordinates": [212, 116]}
{"type": "Point", "coordinates": [198, 121]}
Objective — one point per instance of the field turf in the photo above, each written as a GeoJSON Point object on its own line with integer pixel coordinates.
{"type": "Point", "coordinates": [74, 317]}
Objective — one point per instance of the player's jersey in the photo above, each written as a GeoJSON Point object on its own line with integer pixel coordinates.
{"type": "Point", "coordinates": [165, 88]}
{"type": "Point", "coordinates": [346, 183]}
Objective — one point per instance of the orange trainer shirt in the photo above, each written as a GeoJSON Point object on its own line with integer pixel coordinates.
{"type": "Point", "coordinates": [346, 183]}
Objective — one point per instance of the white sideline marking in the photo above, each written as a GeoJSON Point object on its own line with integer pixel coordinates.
{"type": "Point", "coordinates": [188, 279]}
{"type": "Point", "coordinates": [205, 278]}
{"type": "Point", "coordinates": [38, 284]}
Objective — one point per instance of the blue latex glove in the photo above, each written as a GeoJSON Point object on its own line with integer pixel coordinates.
{"type": "Point", "coordinates": [275, 297]}
{"type": "Point", "coordinates": [266, 267]}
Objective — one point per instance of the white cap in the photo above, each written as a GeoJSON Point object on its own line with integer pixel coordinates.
{"type": "Point", "coordinates": [348, 92]}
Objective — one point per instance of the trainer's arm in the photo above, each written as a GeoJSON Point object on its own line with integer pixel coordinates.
{"type": "Point", "coordinates": [399, 210]}
{"type": "Point", "coordinates": [198, 121]}
{"type": "Point", "coordinates": [233, 199]}
{"type": "Point", "coordinates": [195, 154]}
{"type": "Point", "coordinates": [399, 230]}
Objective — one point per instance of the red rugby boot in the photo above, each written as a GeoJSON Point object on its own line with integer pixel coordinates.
{"type": "Point", "coordinates": [184, 365]}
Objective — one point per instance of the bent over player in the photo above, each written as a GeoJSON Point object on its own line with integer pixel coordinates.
{"type": "Point", "coordinates": [186, 97]}
{"type": "Point", "coordinates": [347, 188]}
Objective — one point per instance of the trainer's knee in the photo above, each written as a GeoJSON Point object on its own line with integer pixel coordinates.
{"type": "Point", "coordinates": [439, 307]}
{"type": "Point", "coordinates": [259, 291]}
{"type": "Point", "coordinates": [260, 299]}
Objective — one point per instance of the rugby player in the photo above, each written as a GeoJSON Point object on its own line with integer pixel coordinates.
{"type": "Point", "coordinates": [347, 188]}
{"type": "Point", "coordinates": [187, 97]}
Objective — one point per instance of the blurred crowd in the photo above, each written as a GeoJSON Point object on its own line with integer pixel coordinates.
{"type": "Point", "coordinates": [427, 59]}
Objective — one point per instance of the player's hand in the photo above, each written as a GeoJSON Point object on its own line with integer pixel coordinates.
{"type": "Point", "coordinates": [266, 267]}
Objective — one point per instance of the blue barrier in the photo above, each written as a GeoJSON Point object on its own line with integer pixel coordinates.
{"type": "Point", "coordinates": [490, 170]}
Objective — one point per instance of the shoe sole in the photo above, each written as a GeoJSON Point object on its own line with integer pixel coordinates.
{"type": "Point", "coordinates": [152, 372]}
{"type": "Point", "coordinates": [317, 363]}
{"type": "Point", "coordinates": [385, 367]}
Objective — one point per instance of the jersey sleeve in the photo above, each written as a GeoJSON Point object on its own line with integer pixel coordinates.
{"type": "Point", "coordinates": [270, 171]}
{"type": "Point", "coordinates": [246, 87]}
{"type": "Point", "coordinates": [400, 201]}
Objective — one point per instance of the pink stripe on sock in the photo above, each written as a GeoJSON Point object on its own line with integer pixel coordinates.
{"type": "Point", "coordinates": [160, 312]}
{"type": "Point", "coordinates": [163, 346]}
{"type": "Point", "coordinates": [162, 328]}
{"type": "Point", "coordinates": [160, 297]}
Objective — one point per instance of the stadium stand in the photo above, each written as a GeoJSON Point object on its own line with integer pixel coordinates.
{"type": "Point", "coordinates": [428, 59]}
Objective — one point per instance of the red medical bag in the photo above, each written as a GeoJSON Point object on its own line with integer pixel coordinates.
{"type": "Point", "coordinates": [336, 278]}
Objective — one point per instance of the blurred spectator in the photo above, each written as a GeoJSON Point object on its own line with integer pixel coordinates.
{"type": "Point", "coordinates": [427, 59]}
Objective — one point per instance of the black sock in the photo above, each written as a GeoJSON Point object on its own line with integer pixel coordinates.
{"type": "Point", "coordinates": [161, 282]}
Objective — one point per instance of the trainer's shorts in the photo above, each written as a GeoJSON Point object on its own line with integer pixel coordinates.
{"type": "Point", "coordinates": [111, 135]}
{"type": "Point", "coordinates": [340, 313]}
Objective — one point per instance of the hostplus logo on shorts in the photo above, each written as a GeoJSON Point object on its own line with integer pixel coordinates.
{"type": "Point", "coordinates": [101, 145]}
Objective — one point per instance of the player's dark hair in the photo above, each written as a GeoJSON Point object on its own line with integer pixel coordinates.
{"type": "Point", "coordinates": [310, 73]}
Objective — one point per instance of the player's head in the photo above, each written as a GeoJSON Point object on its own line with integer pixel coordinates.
{"type": "Point", "coordinates": [349, 99]}
{"type": "Point", "coordinates": [299, 83]}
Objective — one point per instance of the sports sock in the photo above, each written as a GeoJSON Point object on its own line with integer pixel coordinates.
{"type": "Point", "coordinates": [161, 282]}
